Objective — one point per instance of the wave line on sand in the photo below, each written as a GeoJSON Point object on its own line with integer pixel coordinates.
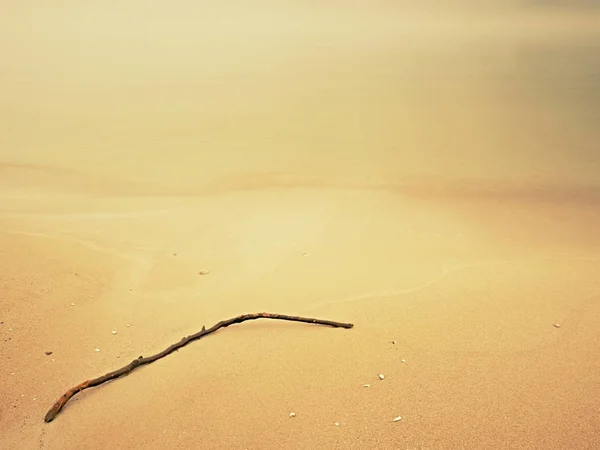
{"type": "Point", "coordinates": [82, 242]}
{"type": "Point", "coordinates": [443, 274]}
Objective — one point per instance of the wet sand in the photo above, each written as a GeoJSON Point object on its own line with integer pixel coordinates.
{"type": "Point", "coordinates": [441, 194]}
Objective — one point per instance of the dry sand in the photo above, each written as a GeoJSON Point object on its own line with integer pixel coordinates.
{"type": "Point", "coordinates": [432, 193]}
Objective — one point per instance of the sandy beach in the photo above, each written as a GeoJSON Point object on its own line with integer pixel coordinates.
{"type": "Point", "coordinates": [431, 177]}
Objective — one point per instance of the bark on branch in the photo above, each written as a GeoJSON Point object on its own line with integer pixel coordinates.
{"type": "Point", "coordinates": [141, 361]}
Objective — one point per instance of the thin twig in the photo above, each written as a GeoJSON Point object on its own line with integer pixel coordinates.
{"type": "Point", "coordinates": [141, 361]}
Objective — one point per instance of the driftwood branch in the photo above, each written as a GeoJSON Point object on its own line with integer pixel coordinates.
{"type": "Point", "coordinates": [141, 361]}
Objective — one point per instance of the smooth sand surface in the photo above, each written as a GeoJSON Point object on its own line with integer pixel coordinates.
{"type": "Point", "coordinates": [435, 185]}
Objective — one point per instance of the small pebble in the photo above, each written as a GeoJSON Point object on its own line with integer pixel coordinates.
{"type": "Point", "coordinates": [96, 349]}
{"type": "Point", "coordinates": [292, 414]}
{"type": "Point", "coordinates": [204, 272]}
{"type": "Point", "coordinates": [556, 325]}
{"type": "Point", "coordinates": [366, 385]}
{"type": "Point", "coordinates": [114, 332]}
{"type": "Point", "coordinates": [72, 304]}
{"type": "Point", "coordinates": [48, 353]}
{"type": "Point", "coordinates": [337, 424]}
{"type": "Point", "coordinates": [393, 342]}
{"type": "Point", "coordinates": [10, 329]}
{"type": "Point", "coordinates": [381, 376]}
{"type": "Point", "coordinates": [128, 325]}
{"type": "Point", "coordinates": [397, 419]}
{"type": "Point", "coordinates": [403, 361]}
{"type": "Point", "coordinates": [305, 254]}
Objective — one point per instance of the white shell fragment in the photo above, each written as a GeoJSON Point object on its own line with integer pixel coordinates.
{"type": "Point", "coordinates": [96, 349]}
{"type": "Point", "coordinates": [381, 376]}
{"type": "Point", "coordinates": [114, 332]}
{"type": "Point", "coordinates": [292, 414]}
{"type": "Point", "coordinates": [403, 361]}
{"type": "Point", "coordinates": [397, 419]}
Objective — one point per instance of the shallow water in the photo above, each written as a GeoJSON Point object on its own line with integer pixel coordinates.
{"type": "Point", "coordinates": [182, 96]}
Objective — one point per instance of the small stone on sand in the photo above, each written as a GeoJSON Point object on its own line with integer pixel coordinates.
{"type": "Point", "coordinates": [397, 419]}
{"type": "Point", "coordinates": [114, 332]}
{"type": "Point", "coordinates": [381, 376]}
{"type": "Point", "coordinates": [556, 325]}
{"type": "Point", "coordinates": [292, 414]}
{"type": "Point", "coordinates": [48, 353]}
